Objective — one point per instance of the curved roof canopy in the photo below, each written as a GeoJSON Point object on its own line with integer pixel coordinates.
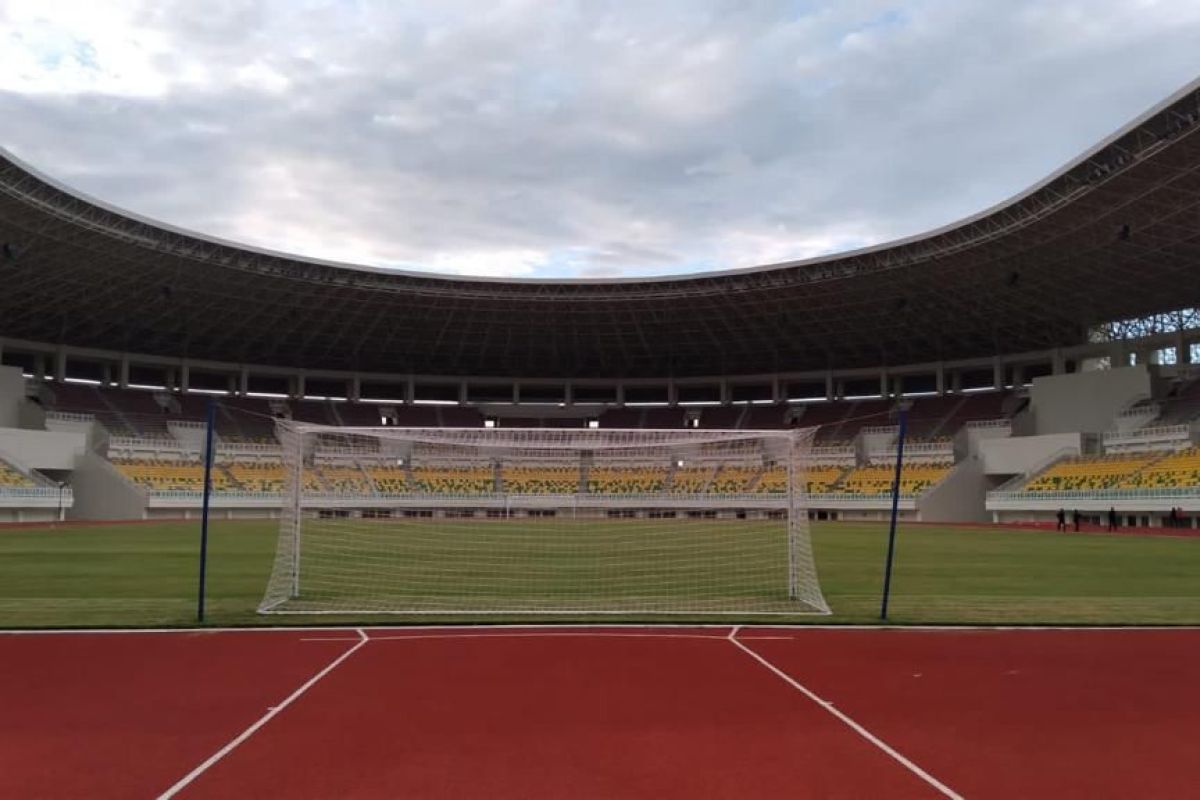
{"type": "Point", "coordinates": [1115, 234]}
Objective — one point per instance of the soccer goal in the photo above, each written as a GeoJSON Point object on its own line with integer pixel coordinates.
{"type": "Point", "coordinates": [498, 521]}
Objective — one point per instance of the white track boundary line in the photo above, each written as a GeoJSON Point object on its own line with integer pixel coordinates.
{"type": "Point", "coordinates": [847, 720]}
{"type": "Point", "coordinates": [261, 721]}
{"type": "Point", "coordinates": [649, 626]}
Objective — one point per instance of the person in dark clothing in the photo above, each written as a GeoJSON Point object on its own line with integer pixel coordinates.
{"type": "Point", "coordinates": [1062, 521]}
{"type": "Point", "coordinates": [1173, 518]}
{"type": "Point", "coordinates": [1075, 517]}
{"type": "Point", "coordinates": [1112, 518]}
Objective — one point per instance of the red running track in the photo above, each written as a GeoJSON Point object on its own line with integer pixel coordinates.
{"type": "Point", "coordinates": [618, 712]}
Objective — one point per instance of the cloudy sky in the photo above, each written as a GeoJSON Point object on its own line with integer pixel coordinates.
{"type": "Point", "coordinates": [574, 139]}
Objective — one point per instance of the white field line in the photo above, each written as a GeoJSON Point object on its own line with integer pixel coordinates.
{"type": "Point", "coordinates": [848, 721]}
{"type": "Point", "coordinates": [261, 721]}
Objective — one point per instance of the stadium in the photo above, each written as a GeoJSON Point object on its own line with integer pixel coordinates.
{"type": "Point", "coordinates": [374, 446]}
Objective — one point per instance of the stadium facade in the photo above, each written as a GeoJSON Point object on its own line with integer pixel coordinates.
{"type": "Point", "coordinates": [1070, 309]}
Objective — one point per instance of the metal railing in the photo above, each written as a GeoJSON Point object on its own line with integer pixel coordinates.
{"type": "Point", "coordinates": [1168, 493]}
{"type": "Point", "coordinates": [1171, 432]}
{"type": "Point", "coordinates": [35, 492]}
{"type": "Point", "coordinates": [989, 423]}
{"type": "Point", "coordinates": [69, 416]}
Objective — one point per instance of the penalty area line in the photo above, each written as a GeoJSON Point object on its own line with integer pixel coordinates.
{"type": "Point", "coordinates": [847, 720]}
{"type": "Point", "coordinates": [183, 782]}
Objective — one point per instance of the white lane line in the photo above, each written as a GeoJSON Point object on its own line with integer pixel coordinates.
{"type": "Point", "coordinates": [261, 721]}
{"type": "Point", "coordinates": [795, 627]}
{"type": "Point", "coordinates": [849, 722]}
{"type": "Point", "coordinates": [766, 638]}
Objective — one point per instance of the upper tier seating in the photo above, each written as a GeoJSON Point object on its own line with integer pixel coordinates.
{"type": "Point", "coordinates": [765, 418]}
{"type": "Point", "coordinates": [417, 416]}
{"type": "Point", "coordinates": [129, 412]}
{"type": "Point", "coordinates": [1182, 405]}
{"type": "Point", "coordinates": [459, 417]}
{"type": "Point", "coordinates": [721, 417]}
{"type": "Point", "coordinates": [358, 415]}
{"type": "Point", "coordinates": [621, 418]}
{"type": "Point", "coordinates": [246, 419]}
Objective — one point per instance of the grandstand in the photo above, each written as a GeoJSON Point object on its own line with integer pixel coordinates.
{"type": "Point", "coordinates": [1016, 402]}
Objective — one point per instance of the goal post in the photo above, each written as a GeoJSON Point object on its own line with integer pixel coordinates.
{"type": "Point", "coordinates": [495, 521]}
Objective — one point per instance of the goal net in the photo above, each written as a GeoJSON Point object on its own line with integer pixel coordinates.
{"type": "Point", "coordinates": [548, 521]}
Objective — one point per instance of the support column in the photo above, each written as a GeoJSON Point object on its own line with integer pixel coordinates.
{"type": "Point", "coordinates": [1058, 362]}
{"type": "Point", "coordinates": [185, 374]}
{"type": "Point", "coordinates": [60, 365]}
{"type": "Point", "coordinates": [355, 388]}
{"type": "Point", "coordinates": [940, 376]}
{"type": "Point", "coordinates": [123, 372]}
{"type": "Point", "coordinates": [998, 374]}
{"type": "Point", "coordinates": [298, 385]}
{"type": "Point", "coordinates": [243, 381]}
{"type": "Point", "coordinates": [830, 389]}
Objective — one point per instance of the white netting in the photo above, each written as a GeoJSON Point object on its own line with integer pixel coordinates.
{"type": "Point", "coordinates": [499, 521]}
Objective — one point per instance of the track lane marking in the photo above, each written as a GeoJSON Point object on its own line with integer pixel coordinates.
{"type": "Point", "coordinates": [846, 719]}
{"type": "Point", "coordinates": [230, 746]}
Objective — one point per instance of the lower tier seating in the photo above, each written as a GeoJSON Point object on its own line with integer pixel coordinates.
{"type": "Point", "coordinates": [11, 477]}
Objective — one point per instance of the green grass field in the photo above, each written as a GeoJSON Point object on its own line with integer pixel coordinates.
{"type": "Point", "coordinates": [145, 575]}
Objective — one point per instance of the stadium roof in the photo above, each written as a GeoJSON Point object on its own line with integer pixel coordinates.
{"type": "Point", "coordinates": [1115, 234]}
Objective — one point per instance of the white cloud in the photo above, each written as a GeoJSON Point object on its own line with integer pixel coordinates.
{"type": "Point", "coordinates": [530, 139]}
